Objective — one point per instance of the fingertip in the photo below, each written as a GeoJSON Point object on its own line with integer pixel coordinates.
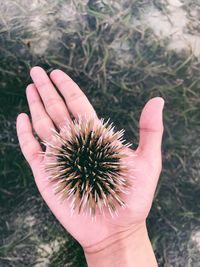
{"type": "Point", "coordinates": [54, 71]}
{"type": "Point", "coordinates": [35, 70]}
{"type": "Point", "coordinates": [159, 101]}
{"type": "Point", "coordinates": [21, 116]}
{"type": "Point", "coordinates": [19, 120]}
{"type": "Point", "coordinates": [58, 72]}
{"type": "Point", "coordinates": [152, 111]}
{"type": "Point", "coordinates": [29, 88]}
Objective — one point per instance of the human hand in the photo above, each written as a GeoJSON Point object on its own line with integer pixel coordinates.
{"type": "Point", "coordinates": [48, 110]}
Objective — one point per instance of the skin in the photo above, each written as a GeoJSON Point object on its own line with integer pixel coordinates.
{"type": "Point", "coordinates": [106, 236]}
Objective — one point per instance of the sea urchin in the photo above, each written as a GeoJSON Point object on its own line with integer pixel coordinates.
{"type": "Point", "coordinates": [88, 165]}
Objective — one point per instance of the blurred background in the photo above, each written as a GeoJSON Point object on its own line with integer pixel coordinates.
{"type": "Point", "coordinates": [121, 53]}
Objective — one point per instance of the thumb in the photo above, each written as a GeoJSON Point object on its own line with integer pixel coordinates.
{"type": "Point", "coordinates": [151, 129]}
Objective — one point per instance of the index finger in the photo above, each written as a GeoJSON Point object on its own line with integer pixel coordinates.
{"type": "Point", "coordinates": [76, 101]}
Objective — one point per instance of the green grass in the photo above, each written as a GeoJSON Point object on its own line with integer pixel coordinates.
{"type": "Point", "coordinates": [119, 67]}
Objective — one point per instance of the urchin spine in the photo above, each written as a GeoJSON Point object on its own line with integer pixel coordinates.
{"type": "Point", "coordinates": [87, 165]}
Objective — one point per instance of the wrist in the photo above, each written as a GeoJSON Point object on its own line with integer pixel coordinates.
{"type": "Point", "coordinates": [130, 248]}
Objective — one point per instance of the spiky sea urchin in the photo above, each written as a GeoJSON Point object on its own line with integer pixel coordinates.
{"type": "Point", "coordinates": [88, 165]}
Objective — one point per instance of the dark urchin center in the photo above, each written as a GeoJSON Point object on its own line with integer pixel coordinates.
{"type": "Point", "coordinates": [92, 162]}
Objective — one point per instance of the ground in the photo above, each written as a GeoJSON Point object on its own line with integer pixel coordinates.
{"type": "Point", "coordinates": [121, 53]}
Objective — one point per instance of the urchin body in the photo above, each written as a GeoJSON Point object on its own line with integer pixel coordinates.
{"type": "Point", "coordinates": [88, 165]}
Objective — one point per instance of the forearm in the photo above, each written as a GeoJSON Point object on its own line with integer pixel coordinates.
{"type": "Point", "coordinates": [133, 250]}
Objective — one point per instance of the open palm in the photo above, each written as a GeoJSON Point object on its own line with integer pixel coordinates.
{"type": "Point", "coordinates": [49, 110]}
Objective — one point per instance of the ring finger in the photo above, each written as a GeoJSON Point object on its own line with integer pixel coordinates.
{"type": "Point", "coordinates": [42, 124]}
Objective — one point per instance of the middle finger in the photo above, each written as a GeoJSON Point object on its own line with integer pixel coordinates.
{"type": "Point", "coordinates": [53, 103]}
